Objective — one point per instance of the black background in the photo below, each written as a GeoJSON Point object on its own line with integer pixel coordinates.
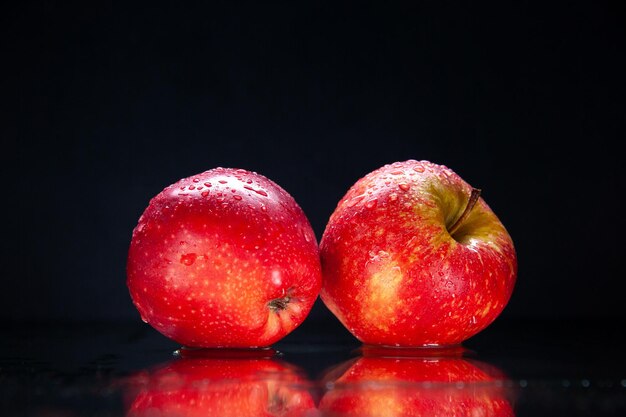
{"type": "Point", "coordinates": [108, 104]}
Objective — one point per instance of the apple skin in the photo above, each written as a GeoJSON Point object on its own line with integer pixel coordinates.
{"type": "Point", "coordinates": [220, 388]}
{"type": "Point", "coordinates": [404, 386]}
{"type": "Point", "coordinates": [225, 258]}
{"type": "Point", "coordinates": [393, 274]}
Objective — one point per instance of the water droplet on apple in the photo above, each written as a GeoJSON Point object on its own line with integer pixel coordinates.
{"type": "Point", "coordinates": [192, 187]}
{"type": "Point", "coordinates": [260, 192]}
{"type": "Point", "coordinates": [208, 184]}
{"type": "Point", "coordinates": [371, 203]}
{"type": "Point", "coordinates": [355, 201]}
{"type": "Point", "coordinates": [188, 259]}
{"type": "Point", "coordinates": [393, 197]}
{"type": "Point", "coordinates": [418, 168]}
{"type": "Point", "coordinates": [144, 319]}
{"type": "Point", "coordinates": [204, 193]}
{"type": "Point", "coordinates": [237, 197]}
{"type": "Point", "coordinates": [196, 180]}
{"type": "Point", "coordinates": [404, 186]}
{"type": "Point", "coordinates": [396, 173]}
{"type": "Point", "coordinates": [222, 181]}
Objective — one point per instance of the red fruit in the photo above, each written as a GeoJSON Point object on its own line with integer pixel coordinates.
{"type": "Point", "coordinates": [429, 386]}
{"type": "Point", "coordinates": [221, 388]}
{"type": "Point", "coordinates": [225, 258]}
{"type": "Point", "coordinates": [412, 257]}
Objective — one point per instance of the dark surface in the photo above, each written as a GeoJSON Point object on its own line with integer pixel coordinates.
{"type": "Point", "coordinates": [550, 368]}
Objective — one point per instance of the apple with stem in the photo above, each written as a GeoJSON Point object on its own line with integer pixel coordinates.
{"type": "Point", "coordinates": [413, 256]}
{"type": "Point", "coordinates": [225, 258]}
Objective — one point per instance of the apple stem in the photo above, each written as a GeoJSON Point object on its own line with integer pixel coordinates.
{"type": "Point", "coordinates": [474, 196]}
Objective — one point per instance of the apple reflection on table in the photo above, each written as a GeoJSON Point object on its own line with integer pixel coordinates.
{"type": "Point", "coordinates": [221, 383]}
{"type": "Point", "coordinates": [379, 382]}
{"type": "Point", "coordinates": [392, 382]}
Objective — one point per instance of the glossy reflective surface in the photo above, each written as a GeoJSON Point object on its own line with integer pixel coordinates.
{"type": "Point", "coordinates": [127, 369]}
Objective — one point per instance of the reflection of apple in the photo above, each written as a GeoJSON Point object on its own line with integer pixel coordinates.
{"type": "Point", "coordinates": [412, 256]}
{"type": "Point", "coordinates": [221, 388]}
{"type": "Point", "coordinates": [225, 258]}
{"type": "Point", "coordinates": [430, 386]}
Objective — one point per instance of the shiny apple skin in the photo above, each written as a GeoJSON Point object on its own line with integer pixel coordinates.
{"type": "Point", "coordinates": [403, 386]}
{"type": "Point", "coordinates": [393, 275]}
{"type": "Point", "coordinates": [220, 388]}
{"type": "Point", "coordinates": [225, 258]}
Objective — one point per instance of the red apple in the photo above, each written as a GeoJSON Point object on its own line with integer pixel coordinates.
{"type": "Point", "coordinates": [225, 258]}
{"type": "Point", "coordinates": [412, 257]}
{"type": "Point", "coordinates": [403, 386]}
{"type": "Point", "coordinates": [221, 388]}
